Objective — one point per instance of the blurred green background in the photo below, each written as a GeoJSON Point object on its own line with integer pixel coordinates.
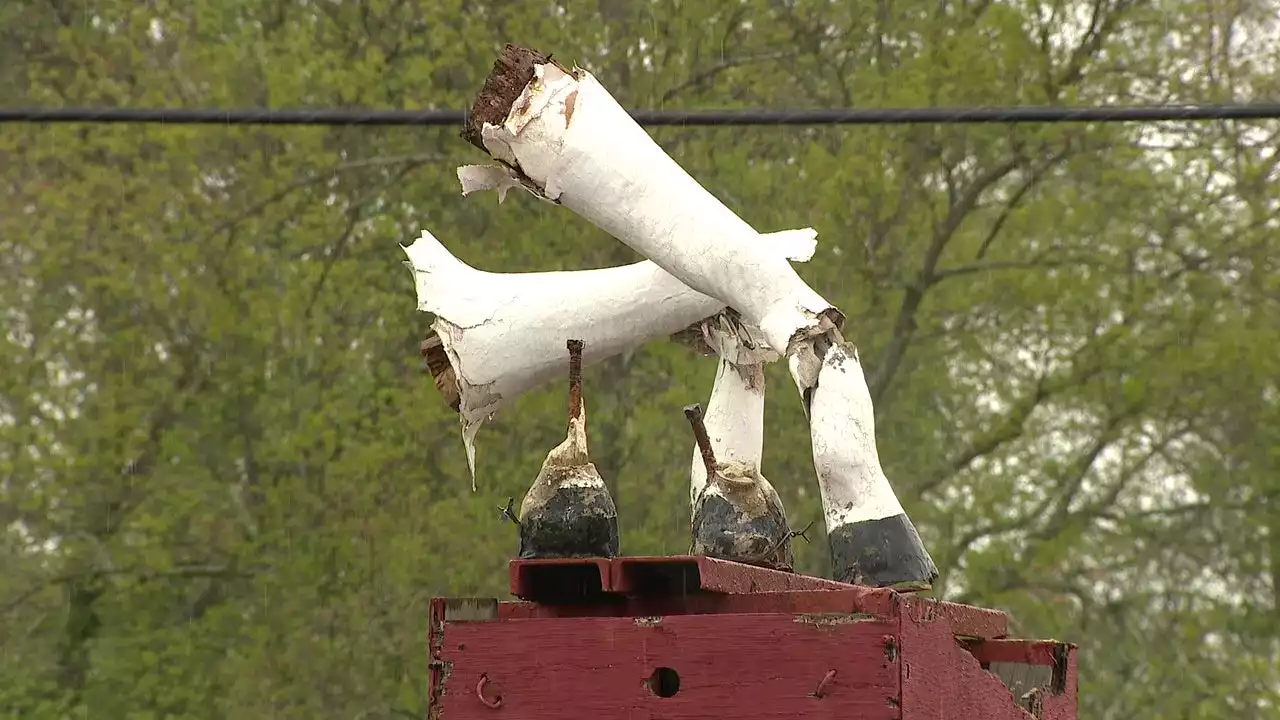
{"type": "Point", "coordinates": [227, 489]}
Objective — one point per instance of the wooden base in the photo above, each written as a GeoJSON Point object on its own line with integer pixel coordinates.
{"type": "Point", "coordinates": [690, 638]}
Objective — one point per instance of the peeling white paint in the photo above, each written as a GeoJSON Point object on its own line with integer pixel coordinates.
{"type": "Point", "coordinates": [504, 333]}
{"type": "Point", "coordinates": [843, 429]}
{"type": "Point", "coordinates": [595, 160]}
{"type": "Point", "coordinates": [475, 178]}
{"type": "Point", "coordinates": [729, 338]}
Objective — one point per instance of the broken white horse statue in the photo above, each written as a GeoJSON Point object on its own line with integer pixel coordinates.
{"type": "Point", "coordinates": [499, 335]}
{"type": "Point", "coordinates": [562, 135]}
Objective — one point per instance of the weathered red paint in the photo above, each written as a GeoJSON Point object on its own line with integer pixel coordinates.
{"type": "Point", "coordinates": [587, 577]}
{"type": "Point", "coordinates": [1030, 652]}
{"type": "Point", "coordinates": [943, 680]}
{"type": "Point", "coordinates": [680, 584]}
{"type": "Point", "coordinates": [1059, 700]}
{"type": "Point", "coordinates": [767, 666]}
{"type": "Point", "coordinates": [1064, 705]}
{"type": "Point", "coordinates": [692, 573]}
{"type": "Point", "coordinates": [966, 621]}
{"type": "Point", "coordinates": [834, 652]}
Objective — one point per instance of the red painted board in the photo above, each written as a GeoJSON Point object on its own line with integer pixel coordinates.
{"type": "Point", "coordinates": [1058, 700]}
{"type": "Point", "coordinates": [1030, 652]}
{"type": "Point", "coordinates": [685, 574]}
{"type": "Point", "coordinates": [575, 579]}
{"type": "Point", "coordinates": [791, 603]}
{"type": "Point", "coordinates": [942, 680]}
{"type": "Point", "coordinates": [762, 667]}
{"type": "Point", "coordinates": [1064, 706]}
{"type": "Point", "coordinates": [965, 620]}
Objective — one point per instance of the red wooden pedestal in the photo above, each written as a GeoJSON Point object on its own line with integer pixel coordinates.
{"type": "Point", "coordinates": [691, 638]}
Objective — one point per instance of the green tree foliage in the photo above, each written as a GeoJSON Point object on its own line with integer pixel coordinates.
{"type": "Point", "coordinates": [228, 490]}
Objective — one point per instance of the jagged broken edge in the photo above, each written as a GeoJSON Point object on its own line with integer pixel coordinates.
{"type": "Point", "coordinates": [512, 71]}
{"type": "Point", "coordinates": [442, 372]}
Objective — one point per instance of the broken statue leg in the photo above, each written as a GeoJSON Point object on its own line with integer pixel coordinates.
{"type": "Point", "coordinates": [873, 542]}
{"type": "Point", "coordinates": [498, 335]}
{"type": "Point", "coordinates": [559, 133]}
{"type": "Point", "coordinates": [734, 421]}
{"type": "Point", "coordinates": [737, 515]}
{"type": "Point", "coordinates": [568, 511]}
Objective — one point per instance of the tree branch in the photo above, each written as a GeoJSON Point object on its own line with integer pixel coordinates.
{"type": "Point", "coordinates": [1012, 426]}
{"type": "Point", "coordinates": [319, 177]}
{"type": "Point", "coordinates": [1039, 263]}
{"type": "Point", "coordinates": [1067, 492]}
{"type": "Point", "coordinates": [703, 76]}
{"type": "Point", "coordinates": [904, 326]}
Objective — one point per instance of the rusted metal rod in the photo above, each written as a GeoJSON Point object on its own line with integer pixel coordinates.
{"type": "Point", "coordinates": [694, 413]}
{"type": "Point", "coordinates": [575, 377]}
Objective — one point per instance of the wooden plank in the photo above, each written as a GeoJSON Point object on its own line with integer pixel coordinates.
{"type": "Point", "coordinates": [941, 680]}
{"type": "Point", "coordinates": [966, 621]}
{"type": "Point", "coordinates": [684, 574]}
{"type": "Point", "coordinates": [763, 667]}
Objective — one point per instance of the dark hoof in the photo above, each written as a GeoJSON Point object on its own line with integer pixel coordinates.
{"type": "Point", "coordinates": [570, 522]}
{"type": "Point", "coordinates": [754, 533]}
{"type": "Point", "coordinates": [881, 553]}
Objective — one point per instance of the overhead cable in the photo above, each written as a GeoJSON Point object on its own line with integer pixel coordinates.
{"type": "Point", "coordinates": [653, 118]}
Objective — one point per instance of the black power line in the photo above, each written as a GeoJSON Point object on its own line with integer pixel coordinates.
{"type": "Point", "coordinates": [844, 116]}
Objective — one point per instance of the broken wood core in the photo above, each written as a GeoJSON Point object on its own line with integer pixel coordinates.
{"type": "Point", "coordinates": [512, 71]}
{"type": "Point", "coordinates": [442, 372]}
{"type": "Point", "coordinates": [691, 337]}
{"type": "Point", "coordinates": [833, 316]}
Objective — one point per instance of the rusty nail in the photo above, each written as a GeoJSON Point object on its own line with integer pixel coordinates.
{"type": "Point", "coordinates": [825, 683]}
{"type": "Point", "coordinates": [493, 704]}
{"type": "Point", "coordinates": [575, 377]}
{"type": "Point", "coordinates": [694, 413]}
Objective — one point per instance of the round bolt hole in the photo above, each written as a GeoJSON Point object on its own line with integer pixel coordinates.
{"type": "Point", "coordinates": [664, 682]}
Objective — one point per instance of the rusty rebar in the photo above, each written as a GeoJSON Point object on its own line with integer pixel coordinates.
{"type": "Point", "coordinates": [575, 377]}
{"type": "Point", "coordinates": [694, 413]}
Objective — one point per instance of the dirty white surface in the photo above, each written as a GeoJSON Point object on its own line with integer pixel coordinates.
{"type": "Point", "coordinates": [569, 136]}
{"type": "Point", "coordinates": [504, 333]}
{"type": "Point", "coordinates": [735, 422]}
{"type": "Point", "coordinates": [843, 429]}
{"type": "Point", "coordinates": [743, 485]}
{"type": "Point", "coordinates": [567, 465]}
